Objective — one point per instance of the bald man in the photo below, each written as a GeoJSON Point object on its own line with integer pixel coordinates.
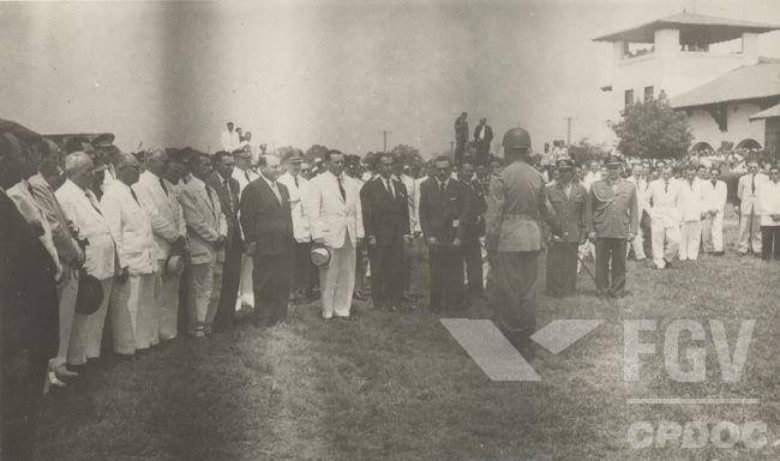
{"type": "Point", "coordinates": [132, 306]}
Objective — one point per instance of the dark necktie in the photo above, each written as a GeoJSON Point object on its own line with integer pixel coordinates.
{"type": "Point", "coordinates": [341, 189]}
{"type": "Point", "coordinates": [753, 184]}
{"type": "Point", "coordinates": [208, 192]}
{"type": "Point", "coordinates": [666, 186]}
{"type": "Point", "coordinates": [135, 197]}
{"type": "Point", "coordinates": [162, 184]}
{"type": "Point", "coordinates": [229, 194]}
{"type": "Point", "coordinates": [296, 181]}
{"type": "Point", "coordinates": [246, 175]}
{"type": "Point", "coordinates": [389, 188]}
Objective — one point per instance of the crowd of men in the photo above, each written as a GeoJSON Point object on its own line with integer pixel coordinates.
{"type": "Point", "coordinates": [167, 234]}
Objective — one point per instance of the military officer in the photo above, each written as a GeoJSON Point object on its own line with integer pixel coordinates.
{"type": "Point", "coordinates": [568, 200]}
{"type": "Point", "coordinates": [612, 220]}
{"type": "Point", "coordinates": [516, 205]}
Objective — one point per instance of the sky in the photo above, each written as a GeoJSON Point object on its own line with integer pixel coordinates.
{"type": "Point", "coordinates": [337, 73]}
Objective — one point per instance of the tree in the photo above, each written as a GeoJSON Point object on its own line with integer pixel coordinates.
{"type": "Point", "coordinates": [408, 154]}
{"type": "Point", "coordinates": [652, 129]}
{"type": "Point", "coordinates": [585, 152]}
{"type": "Point", "coordinates": [316, 151]}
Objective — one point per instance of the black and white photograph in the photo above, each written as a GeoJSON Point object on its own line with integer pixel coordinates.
{"type": "Point", "coordinates": [457, 230]}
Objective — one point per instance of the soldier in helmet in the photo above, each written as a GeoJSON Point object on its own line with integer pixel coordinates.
{"type": "Point", "coordinates": [517, 203]}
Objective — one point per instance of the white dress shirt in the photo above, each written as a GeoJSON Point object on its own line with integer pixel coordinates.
{"type": "Point", "coordinates": [664, 198]}
{"type": "Point", "coordinates": [331, 217]}
{"type": "Point", "coordinates": [297, 207]}
{"type": "Point", "coordinates": [769, 202]}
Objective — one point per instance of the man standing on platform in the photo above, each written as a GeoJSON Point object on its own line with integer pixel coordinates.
{"type": "Point", "coordinates": [612, 220]}
{"type": "Point", "coordinates": [483, 136]}
{"type": "Point", "coordinates": [516, 205]}
{"type": "Point", "coordinates": [461, 136]}
{"type": "Point", "coordinates": [568, 199]}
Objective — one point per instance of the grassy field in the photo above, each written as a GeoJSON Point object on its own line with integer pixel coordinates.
{"type": "Point", "coordinates": [399, 387]}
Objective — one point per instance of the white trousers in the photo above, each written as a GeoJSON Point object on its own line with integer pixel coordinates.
{"type": "Point", "coordinates": [690, 240]}
{"type": "Point", "coordinates": [712, 233]}
{"type": "Point", "coordinates": [246, 293]}
{"type": "Point", "coordinates": [132, 309]}
{"type": "Point", "coordinates": [665, 243]}
{"type": "Point", "coordinates": [337, 281]}
{"type": "Point", "coordinates": [199, 295]}
{"type": "Point", "coordinates": [166, 304]}
{"type": "Point", "coordinates": [67, 290]}
{"type": "Point", "coordinates": [87, 333]}
{"type": "Point", "coordinates": [750, 233]}
{"type": "Point", "coordinates": [216, 292]}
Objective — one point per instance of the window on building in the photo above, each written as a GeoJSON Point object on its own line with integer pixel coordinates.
{"type": "Point", "coordinates": [648, 93]}
{"type": "Point", "coordinates": [629, 98]}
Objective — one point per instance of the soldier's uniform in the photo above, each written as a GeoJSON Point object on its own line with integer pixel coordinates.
{"type": "Point", "coordinates": [612, 214]}
{"type": "Point", "coordinates": [569, 205]}
{"type": "Point", "coordinates": [516, 205]}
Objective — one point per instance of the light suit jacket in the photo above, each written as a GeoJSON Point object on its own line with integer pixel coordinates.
{"type": "Point", "coordinates": [768, 203]}
{"type": "Point", "coordinates": [664, 210]}
{"type": "Point", "coordinates": [745, 193]}
{"type": "Point", "coordinates": [21, 194]}
{"type": "Point", "coordinates": [297, 207]}
{"type": "Point", "coordinates": [714, 196]}
{"type": "Point", "coordinates": [205, 221]}
{"type": "Point", "coordinates": [85, 213]}
{"type": "Point", "coordinates": [67, 248]}
{"type": "Point", "coordinates": [332, 218]}
{"type": "Point", "coordinates": [131, 229]}
{"type": "Point", "coordinates": [692, 202]}
{"type": "Point", "coordinates": [163, 210]}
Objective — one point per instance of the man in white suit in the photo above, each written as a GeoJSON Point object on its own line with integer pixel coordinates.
{"type": "Point", "coordinates": [638, 179]}
{"type": "Point", "coordinates": [244, 174]}
{"type": "Point", "coordinates": [336, 222]}
{"type": "Point", "coordinates": [693, 210]}
{"type": "Point", "coordinates": [303, 280]}
{"type": "Point", "coordinates": [158, 199]}
{"type": "Point", "coordinates": [715, 193]}
{"type": "Point", "coordinates": [207, 236]}
{"type": "Point", "coordinates": [663, 196]}
{"type": "Point", "coordinates": [749, 219]}
{"type": "Point", "coordinates": [83, 210]}
{"type": "Point", "coordinates": [132, 306]}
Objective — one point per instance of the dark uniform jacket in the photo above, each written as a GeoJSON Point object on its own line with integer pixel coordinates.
{"type": "Point", "coordinates": [570, 211]}
{"type": "Point", "coordinates": [443, 213]}
{"type": "Point", "coordinates": [265, 221]}
{"type": "Point", "coordinates": [385, 217]}
{"type": "Point", "coordinates": [612, 213]}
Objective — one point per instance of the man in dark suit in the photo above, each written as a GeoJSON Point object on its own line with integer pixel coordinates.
{"type": "Point", "coordinates": [386, 221]}
{"type": "Point", "coordinates": [266, 219]}
{"type": "Point", "coordinates": [568, 200]}
{"type": "Point", "coordinates": [461, 136]}
{"type": "Point", "coordinates": [483, 136]}
{"type": "Point", "coordinates": [222, 181]}
{"type": "Point", "coordinates": [474, 227]}
{"type": "Point", "coordinates": [30, 324]}
{"type": "Point", "coordinates": [444, 210]}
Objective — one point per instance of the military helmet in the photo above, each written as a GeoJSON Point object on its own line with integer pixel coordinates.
{"type": "Point", "coordinates": [516, 138]}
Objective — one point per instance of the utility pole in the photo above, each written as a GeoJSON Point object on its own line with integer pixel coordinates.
{"type": "Point", "coordinates": [384, 140]}
{"type": "Point", "coordinates": [568, 129]}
